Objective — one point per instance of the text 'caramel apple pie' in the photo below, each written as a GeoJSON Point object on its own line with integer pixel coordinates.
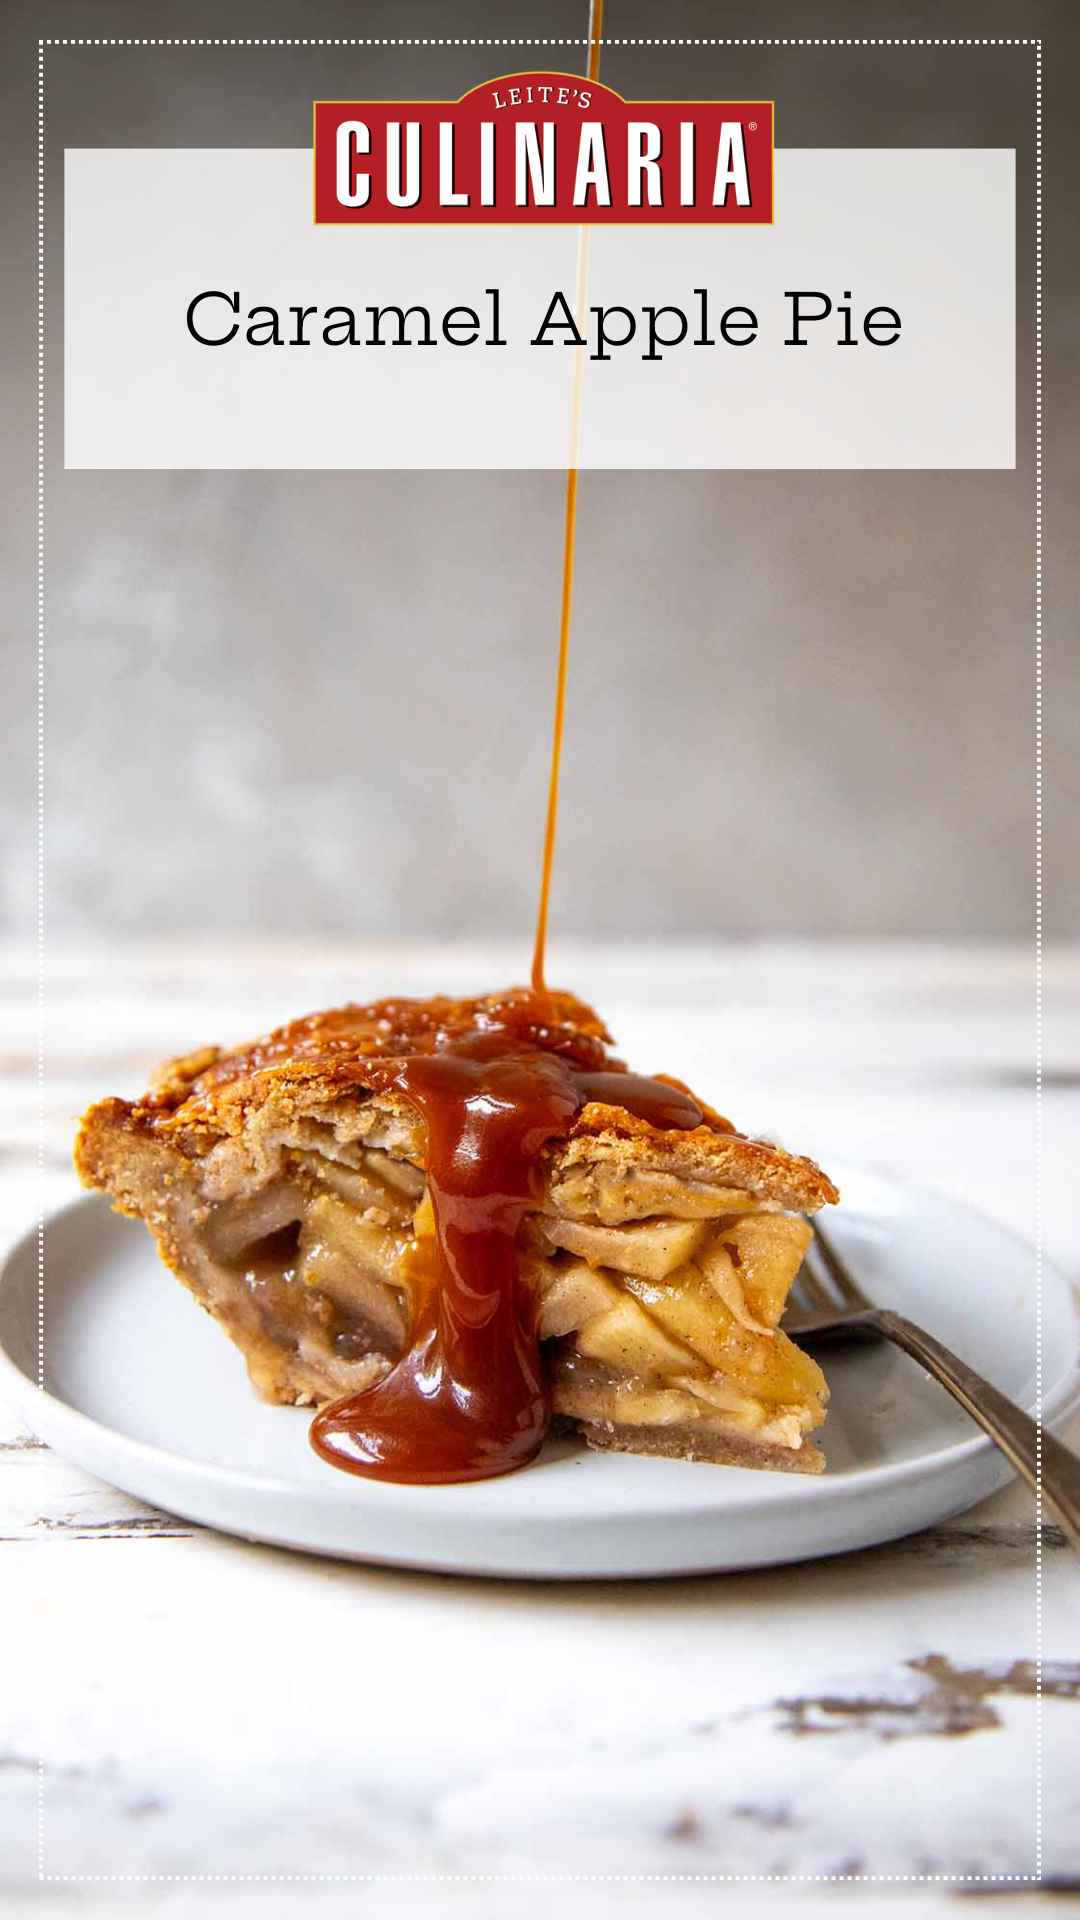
{"type": "Point", "coordinates": [443, 1223]}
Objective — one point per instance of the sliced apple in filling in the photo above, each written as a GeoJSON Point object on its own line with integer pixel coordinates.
{"type": "Point", "coordinates": [652, 1249]}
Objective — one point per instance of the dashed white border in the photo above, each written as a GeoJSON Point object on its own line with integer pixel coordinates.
{"type": "Point", "coordinates": [555, 1879]}
{"type": "Point", "coordinates": [562, 1879]}
{"type": "Point", "coordinates": [571, 40]}
{"type": "Point", "coordinates": [1038, 970]}
{"type": "Point", "coordinates": [40, 877]}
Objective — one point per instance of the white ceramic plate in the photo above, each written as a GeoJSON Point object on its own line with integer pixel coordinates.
{"type": "Point", "coordinates": [143, 1390]}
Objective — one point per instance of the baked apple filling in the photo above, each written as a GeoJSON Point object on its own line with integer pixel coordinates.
{"type": "Point", "coordinates": [667, 1324]}
{"type": "Point", "coordinates": [316, 1259]}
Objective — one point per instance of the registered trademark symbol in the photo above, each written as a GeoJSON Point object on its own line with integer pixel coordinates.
{"type": "Point", "coordinates": [752, 126]}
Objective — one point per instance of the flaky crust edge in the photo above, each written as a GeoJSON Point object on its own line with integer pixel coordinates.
{"type": "Point", "coordinates": [276, 1100]}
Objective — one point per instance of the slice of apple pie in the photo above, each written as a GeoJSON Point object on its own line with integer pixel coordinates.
{"type": "Point", "coordinates": [444, 1222]}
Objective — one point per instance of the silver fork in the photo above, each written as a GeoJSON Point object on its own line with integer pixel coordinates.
{"type": "Point", "coordinates": [839, 1309]}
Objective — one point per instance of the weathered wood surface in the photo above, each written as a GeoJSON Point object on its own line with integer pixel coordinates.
{"type": "Point", "coordinates": [207, 1708]}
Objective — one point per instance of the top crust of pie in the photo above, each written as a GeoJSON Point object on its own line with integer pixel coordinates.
{"type": "Point", "coordinates": [333, 1071]}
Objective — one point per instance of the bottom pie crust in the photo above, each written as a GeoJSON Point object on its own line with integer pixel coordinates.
{"type": "Point", "coordinates": [692, 1441]}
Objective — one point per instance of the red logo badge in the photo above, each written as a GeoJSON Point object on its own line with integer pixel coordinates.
{"type": "Point", "coordinates": [544, 149]}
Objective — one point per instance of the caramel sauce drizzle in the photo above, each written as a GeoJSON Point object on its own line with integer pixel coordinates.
{"type": "Point", "coordinates": [469, 1400]}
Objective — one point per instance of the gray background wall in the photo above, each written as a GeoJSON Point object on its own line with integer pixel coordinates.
{"type": "Point", "coordinates": [320, 702]}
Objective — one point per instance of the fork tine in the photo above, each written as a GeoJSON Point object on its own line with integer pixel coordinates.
{"type": "Point", "coordinates": [839, 1273]}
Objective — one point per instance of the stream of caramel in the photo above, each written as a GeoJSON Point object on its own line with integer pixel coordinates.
{"type": "Point", "coordinates": [539, 983]}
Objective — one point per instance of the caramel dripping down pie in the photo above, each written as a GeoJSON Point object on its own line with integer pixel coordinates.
{"type": "Point", "coordinates": [285, 1184]}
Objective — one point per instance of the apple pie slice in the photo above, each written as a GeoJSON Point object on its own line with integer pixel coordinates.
{"type": "Point", "coordinates": [445, 1222]}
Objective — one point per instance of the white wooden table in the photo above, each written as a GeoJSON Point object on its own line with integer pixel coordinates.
{"type": "Point", "coordinates": [215, 1719]}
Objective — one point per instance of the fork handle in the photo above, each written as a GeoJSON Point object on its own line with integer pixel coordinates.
{"type": "Point", "coordinates": [1011, 1429]}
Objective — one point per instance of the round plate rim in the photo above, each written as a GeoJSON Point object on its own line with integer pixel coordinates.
{"type": "Point", "coordinates": [826, 1490]}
